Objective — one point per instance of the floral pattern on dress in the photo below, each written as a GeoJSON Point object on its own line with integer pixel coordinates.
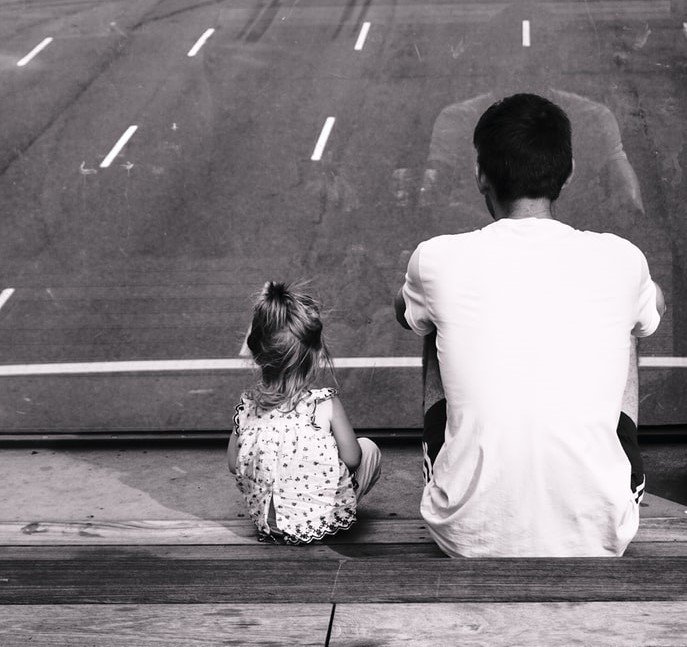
{"type": "Point", "coordinates": [284, 457]}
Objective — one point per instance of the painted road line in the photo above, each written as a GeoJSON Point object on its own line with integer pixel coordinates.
{"type": "Point", "coordinates": [377, 362]}
{"type": "Point", "coordinates": [200, 42]}
{"type": "Point", "coordinates": [245, 351]}
{"type": "Point", "coordinates": [118, 146]}
{"type": "Point", "coordinates": [38, 48]}
{"type": "Point", "coordinates": [322, 141]}
{"type": "Point", "coordinates": [360, 43]}
{"type": "Point", "coordinates": [185, 365]}
{"type": "Point", "coordinates": [5, 295]}
{"type": "Point", "coordinates": [525, 33]}
{"type": "Point", "coordinates": [145, 366]}
{"type": "Point", "coordinates": [243, 364]}
{"type": "Point", "coordinates": [663, 362]}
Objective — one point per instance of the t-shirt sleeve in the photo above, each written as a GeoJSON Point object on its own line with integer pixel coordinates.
{"type": "Point", "coordinates": [647, 314]}
{"type": "Point", "coordinates": [417, 313]}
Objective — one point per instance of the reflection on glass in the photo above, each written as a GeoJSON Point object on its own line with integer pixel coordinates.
{"type": "Point", "coordinates": [603, 195]}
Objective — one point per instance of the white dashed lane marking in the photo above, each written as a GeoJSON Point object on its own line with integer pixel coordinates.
{"type": "Point", "coordinates": [525, 33]}
{"type": "Point", "coordinates": [663, 362]}
{"type": "Point", "coordinates": [200, 42]}
{"type": "Point", "coordinates": [38, 48]}
{"type": "Point", "coordinates": [322, 140]}
{"type": "Point", "coordinates": [121, 142]}
{"type": "Point", "coordinates": [5, 295]}
{"type": "Point", "coordinates": [360, 43]}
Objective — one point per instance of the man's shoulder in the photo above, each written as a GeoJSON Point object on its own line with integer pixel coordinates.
{"type": "Point", "coordinates": [449, 241]}
{"type": "Point", "coordinates": [452, 250]}
{"type": "Point", "coordinates": [612, 243]}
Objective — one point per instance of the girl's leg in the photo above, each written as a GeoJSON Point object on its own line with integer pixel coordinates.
{"type": "Point", "coordinates": [370, 467]}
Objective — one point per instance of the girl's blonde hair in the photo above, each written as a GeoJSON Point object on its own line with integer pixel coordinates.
{"type": "Point", "coordinates": [286, 343]}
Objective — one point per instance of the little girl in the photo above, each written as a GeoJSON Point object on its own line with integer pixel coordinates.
{"type": "Point", "coordinates": [296, 458]}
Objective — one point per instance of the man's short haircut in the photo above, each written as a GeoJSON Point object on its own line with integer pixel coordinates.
{"type": "Point", "coordinates": [524, 147]}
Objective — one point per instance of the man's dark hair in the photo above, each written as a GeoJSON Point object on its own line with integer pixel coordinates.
{"type": "Point", "coordinates": [524, 147]}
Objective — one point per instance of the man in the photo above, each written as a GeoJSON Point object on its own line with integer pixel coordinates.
{"type": "Point", "coordinates": [533, 321]}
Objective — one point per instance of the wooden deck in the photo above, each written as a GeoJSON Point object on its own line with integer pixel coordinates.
{"type": "Point", "coordinates": [383, 583]}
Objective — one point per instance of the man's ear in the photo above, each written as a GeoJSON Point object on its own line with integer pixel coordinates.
{"type": "Point", "coordinates": [481, 179]}
{"type": "Point", "coordinates": [570, 177]}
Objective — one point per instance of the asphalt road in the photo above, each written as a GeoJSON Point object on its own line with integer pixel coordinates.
{"type": "Point", "coordinates": [155, 256]}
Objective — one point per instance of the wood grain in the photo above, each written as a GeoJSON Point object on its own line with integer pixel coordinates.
{"type": "Point", "coordinates": [253, 552]}
{"type": "Point", "coordinates": [512, 580]}
{"type": "Point", "coordinates": [241, 532]}
{"type": "Point", "coordinates": [268, 552]}
{"type": "Point", "coordinates": [137, 532]}
{"type": "Point", "coordinates": [602, 624]}
{"type": "Point", "coordinates": [151, 580]}
{"type": "Point", "coordinates": [662, 529]}
{"type": "Point", "coordinates": [657, 548]}
{"type": "Point", "coordinates": [164, 625]}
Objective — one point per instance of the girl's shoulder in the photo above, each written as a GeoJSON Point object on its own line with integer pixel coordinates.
{"type": "Point", "coordinates": [246, 408]}
{"type": "Point", "coordinates": [320, 395]}
{"type": "Point", "coordinates": [318, 404]}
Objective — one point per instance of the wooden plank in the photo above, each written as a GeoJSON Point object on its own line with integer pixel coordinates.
{"type": "Point", "coordinates": [189, 531]}
{"type": "Point", "coordinates": [134, 532]}
{"type": "Point", "coordinates": [602, 624]}
{"type": "Point", "coordinates": [512, 580]}
{"type": "Point", "coordinates": [662, 529]}
{"type": "Point", "coordinates": [270, 552]}
{"type": "Point", "coordinates": [385, 531]}
{"type": "Point", "coordinates": [150, 580]}
{"type": "Point", "coordinates": [657, 549]}
{"type": "Point", "coordinates": [164, 625]}
{"type": "Point", "coordinates": [172, 552]}
{"type": "Point", "coordinates": [253, 552]}
{"type": "Point", "coordinates": [241, 532]}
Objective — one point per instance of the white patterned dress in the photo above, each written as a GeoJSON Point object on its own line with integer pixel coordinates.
{"type": "Point", "coordinates": [284, 457]}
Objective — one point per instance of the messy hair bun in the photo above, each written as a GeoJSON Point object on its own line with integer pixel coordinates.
{"type": "Point", "coordinates": [286, 343]}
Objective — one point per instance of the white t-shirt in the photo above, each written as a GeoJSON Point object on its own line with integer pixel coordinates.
{"type": "Point", "coordinates": [533, 324]}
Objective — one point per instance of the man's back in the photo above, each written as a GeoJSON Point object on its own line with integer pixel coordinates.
{"type": "Point", "coordinates": [533, 321]}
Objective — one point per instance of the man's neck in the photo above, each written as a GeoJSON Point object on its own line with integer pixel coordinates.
{"type": "Point", "coordinates": [528, 208]}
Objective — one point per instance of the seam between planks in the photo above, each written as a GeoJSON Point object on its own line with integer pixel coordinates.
{"type": "Point", "coordinates": [331, 625]}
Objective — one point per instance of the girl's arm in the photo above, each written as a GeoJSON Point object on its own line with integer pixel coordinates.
{"type": "Point", "coordinates": [232, 452]}
{"type": "Point", "coordinates": [346, 441]}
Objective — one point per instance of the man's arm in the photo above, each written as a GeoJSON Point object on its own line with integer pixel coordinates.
{"type": "Point", "coordinates": [651, 303]}
{"type": "Point", "coordinates": [400, 309]}
{"type": "Point", "coordinates": [410, 304]}
{"type": "Point", "coordinates": [660, 300]}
